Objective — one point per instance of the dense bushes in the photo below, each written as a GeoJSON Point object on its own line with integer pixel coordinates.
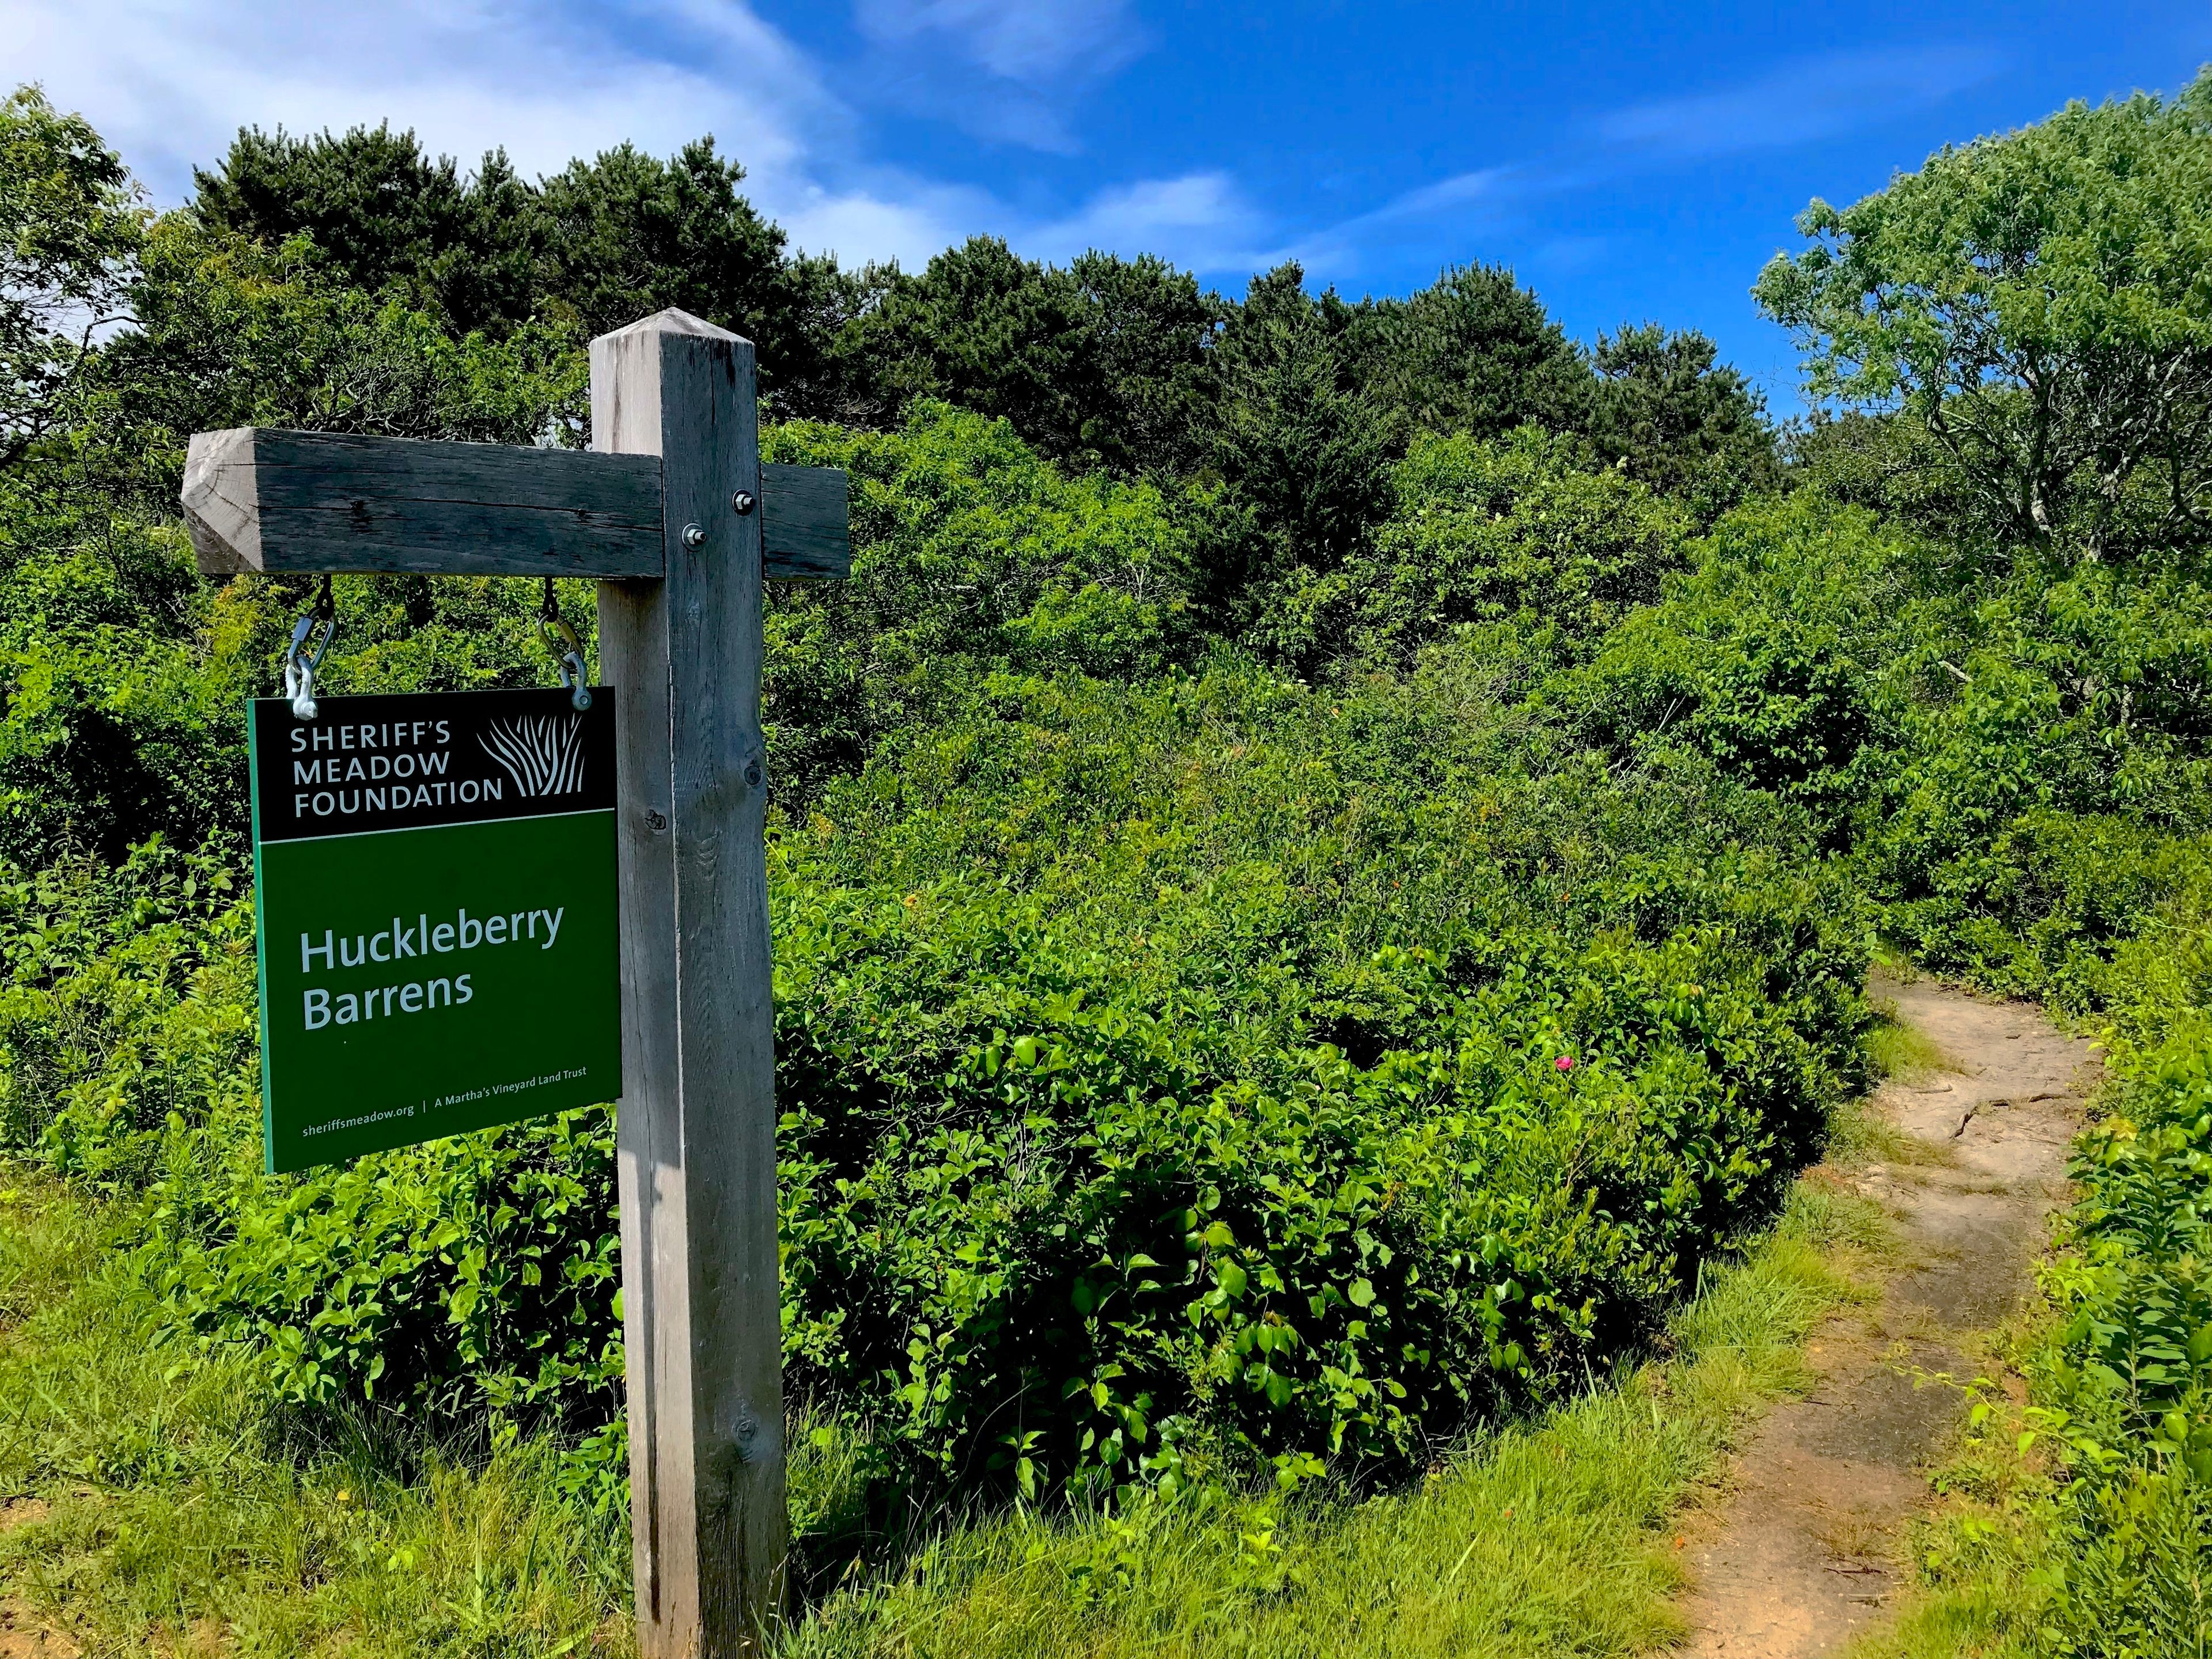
{"type": "Point", "coordinates": [1125, 1134]}
{"type": "Point", "coordinates": [129, 1003]}
{"type": "Point", "coordinates": [1774, 661]}
{"type": "Point", "coordinates": [972, 554]}
{"type": "Point", "coordinates": [1519, 536]}
{"type": "Point", "coordinates": [1120, 1163]}
{"type": "Point", "coordinates": [1186, 1067]}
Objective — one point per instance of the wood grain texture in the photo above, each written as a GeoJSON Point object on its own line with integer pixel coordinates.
{"type": "Point", "coordinates": [256, 498]}
{"type": "Point", "coordinates": [222, 508]}
{"type": "Point", "coordinates": [696, 1125]}
{"type": "Point", "coordinates": [804, 522]}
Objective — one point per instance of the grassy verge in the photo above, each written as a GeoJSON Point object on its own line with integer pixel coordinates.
{"type": "Point", "coordinates": [155, 1502]}
{"type": "Point", "coordinates": [1547, 1538]}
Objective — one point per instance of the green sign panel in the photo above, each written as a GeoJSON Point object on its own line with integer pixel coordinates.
{"type": "Point", "coordinates": [434, 883]}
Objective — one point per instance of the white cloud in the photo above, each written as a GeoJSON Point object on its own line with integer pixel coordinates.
{"type": "Point", "coordinates": [1473, 198]}
{"type": "Point", "coordinates": [1201, 220]}
{"type": "Point", "coordinates": [1010, 71]}
{"type": "Point", "coordinates": [1794, 103]}
{"type": "Point", "coordinates": [171, 81]}
{"type": "Point", "coordinates": [1815, 98]}
{"type": "Point", "coordinates": [1030, 41]}
{"type": "Point", "coordinates": [889, 216]}
{"type": "Point", "coordinates": [171, 85]}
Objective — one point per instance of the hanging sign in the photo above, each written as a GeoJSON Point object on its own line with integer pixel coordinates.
{"type": "Point", "coordinates": [435, 886]}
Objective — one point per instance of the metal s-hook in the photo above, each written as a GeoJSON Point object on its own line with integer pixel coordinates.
{"type": "Point", "coordinates": [567, 650]}
{"type": "Point", "coordinates": [300, 670]}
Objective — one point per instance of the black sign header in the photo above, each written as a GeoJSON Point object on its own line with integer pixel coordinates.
{"type": "Point", "coordinates": [413, 760]}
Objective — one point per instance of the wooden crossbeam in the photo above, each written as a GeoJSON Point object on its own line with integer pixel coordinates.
{"type": "Point", "coordinates": [257, 498]}
{"type": "Point", "coordinates": [803, 520]}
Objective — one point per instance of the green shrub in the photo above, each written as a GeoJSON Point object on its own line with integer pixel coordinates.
{"type": "Point", "coordinates": [1520, 535]}
{"type": "Point", "coordinates": [1121, 1139]}
{"type": "Point", "coordinates": [128, 1007]}
{"type": "Point", "coordinates": [970, 554]}
{"type": "Point", "coordinates": [1767, 662]}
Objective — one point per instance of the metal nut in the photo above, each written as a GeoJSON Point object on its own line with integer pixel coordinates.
{"type": "Point", "coordinates": [742, 502]}
{"type": "Point", "coordinates": [693, 536]}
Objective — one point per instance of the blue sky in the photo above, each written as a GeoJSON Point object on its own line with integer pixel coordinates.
{"type": "Point", "coordinates": [1631, 161]}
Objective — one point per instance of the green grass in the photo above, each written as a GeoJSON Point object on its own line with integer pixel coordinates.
{"type": "Point", "coordinates": [1895, 1049]}
{"type": "Point", "coordinates": [1896, 1053]}
{"type": "Point", "coordinates": [171, 1510]}
{"type": "Point", "coordinates": [1547, 1538]}
{"type": "Point", "coordinates": [171, 1503]}
{"type": "Point", "coordinates": [1984, 1558]}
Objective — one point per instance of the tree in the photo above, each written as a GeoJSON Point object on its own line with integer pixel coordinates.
{"type": "Point", "coordinates": [71, 222]}
{"type": "Point", "coordinates": [2041, 302]}
{"type": "Point", "coordinates": [1102, 363]}
{"type": "Point", "coordinates": [599, 244]}
{"type": "Point", "coordinates": [984, 328]}
{"type": "Point", "coordinates": [1518, 531]}
{"type": "Point", "coordinates": [1474, 353]}
{"type": "Point", "coordinates": [379, 212]}
{"type": "Point", "coordinates": [1669, 413]}
{"type": "Point", "coordinates": [228, 331]}
{"type": "Point", "coordinates": [629, 235]}
{"type": "Point", "coordinates": [1303, 452]}
{"type": "Point", "coordinates": [1152, 331]}
{"type": "Point", "coordinates": [813, 374]}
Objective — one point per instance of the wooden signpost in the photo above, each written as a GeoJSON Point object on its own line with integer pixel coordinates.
{"type": "Point", "coordinates": [679, 520]}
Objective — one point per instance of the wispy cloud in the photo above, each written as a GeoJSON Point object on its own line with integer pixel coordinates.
{"type": "Point", "coordinates": [1203, 220]}
{"type": "Point", "coordinates": [1467, 198]}
{"type": "Point", "coordinates": [1794, 103]}
{"type": "Point", "coordinates": [1012, 71]}
{"type": "Point", "coordinates": [1467, 207]}
{"type": "Point", "coordinates": [889, 216]}
{"type": "Point", "coordinates": [1035, 42]}
{"type": "Point", "coordinates": [171, 84]}
{"type": "Point", "coordinates": [1797, 103]}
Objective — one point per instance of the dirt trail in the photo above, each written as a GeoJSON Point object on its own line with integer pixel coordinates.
{"type": "Point", "coordinates": [24, 1632]}
{"type": "Point", "coordinates": [1802, 1556]}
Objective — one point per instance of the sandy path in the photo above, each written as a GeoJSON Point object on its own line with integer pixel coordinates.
{"type": "Point", "coordinates": [24, 1632]}
{"type": "Point", "coordinates": [1802, 1554]}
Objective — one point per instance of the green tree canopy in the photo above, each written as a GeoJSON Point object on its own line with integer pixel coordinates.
{"type": "Point", "coordinates": [381, 212]}
{"type": "Point", "coordinates": [70, 224]}
{"type": "Point", "coordinates": [985, 328]}
{"type": "Point", "coordinates": [631, 234]}
{"type": "Point", "coordinates": [1152, 329]}
{"type": "Point", "coordinates": [1303, 451]}
{"type": "Point", "coordinates": [1475, 352]}
{"type": "Point", "coordinates": [2041, 302]}
{"type": "Point", "coordinates": [1101, 362]}
{"type": "Point", "coordinates": [1671, 414]}
{"type": "Point", "coordinates": [598, 244]}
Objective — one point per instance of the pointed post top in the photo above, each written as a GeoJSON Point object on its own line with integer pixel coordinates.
{"type": "Point", "coordinates": [673, 321]}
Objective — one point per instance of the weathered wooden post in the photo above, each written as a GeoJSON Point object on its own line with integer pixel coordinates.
{"type": "Point", "coordinates": [697, 1124]}
{"type": "Point", "coordinates": [680, 521]}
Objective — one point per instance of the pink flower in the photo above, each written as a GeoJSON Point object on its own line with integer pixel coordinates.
{"type": "Point", "coordinates": [1564, 1063]}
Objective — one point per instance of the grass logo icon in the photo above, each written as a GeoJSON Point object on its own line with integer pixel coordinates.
{"type": "Point", "coordinates": [543, 753]}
